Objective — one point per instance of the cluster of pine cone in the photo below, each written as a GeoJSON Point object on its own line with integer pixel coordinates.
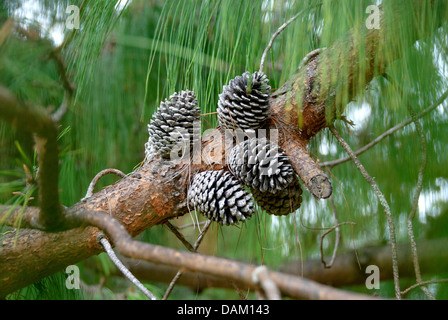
{"type": "Point", "coordinates": [255, 163]}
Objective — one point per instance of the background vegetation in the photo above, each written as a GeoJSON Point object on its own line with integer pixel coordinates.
{"type": "Point", "coordinates": [128, 56]}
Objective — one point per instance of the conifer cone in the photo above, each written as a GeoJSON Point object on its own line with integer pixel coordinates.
{"type": "Point", "coordinates": [261, 165]}
{"type": "Point", "coordinates": [244, 103]}
{"type": "Point", "coordinates": [220, 197]}
{"type": "Point", "coordinates": [172, 125]}
{"type": "Point", "coordinates": [281, 203]}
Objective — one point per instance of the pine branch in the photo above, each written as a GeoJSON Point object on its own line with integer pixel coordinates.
{"type": "Point", "coordinates": [239, 272]}
{"type": "Point", "coordinates": [233, 270]}
{"type": "Point", "coordinates": [35, 120]}
{"type": "Point", "coordinates": [344, 272]}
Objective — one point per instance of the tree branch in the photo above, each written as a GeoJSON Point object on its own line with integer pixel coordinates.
{"type": "Point", "coordinates": [237, 271]}
{"type": "Point", "coordinates": [344, 272]}
{"type": "Point", "coordinates": [35, 120]}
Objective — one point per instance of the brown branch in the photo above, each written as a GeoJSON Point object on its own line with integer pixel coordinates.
{"type": "Point", "coordinates": [344, 272]}
{"type": "Point", "coordinates": [35, 120]}
{"type": "Point", "coordinates": [311, 174]}
{"type": "Point", "coordinates": [219, 267]}
{"type": "Point", "coordinates": [290, 286]}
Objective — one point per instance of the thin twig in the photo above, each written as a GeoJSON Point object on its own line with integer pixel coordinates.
{"type": "Point", "coordinates": [335, 227]}
{"type": "Point", "coordinates": [69, 87]}
{"type": "Point", "coordinates": [383, 202]}
{"type": "Point", "coordinates": [181, 271]}
{"type": "Point", "coordinates": [338, 237]}
{"type": "Point", "coordinates": [417, 192]}
{"type": "Point", "coordinates": [238, 291]}
{"type": "Point", "coordinates": [418, 189]}
{"type": "Point", "coordinates": [271, 42]}
{"type": "Point", "coordinates": [392, 130]}
{"type": "Point", "coordinates": [309, 56]}
{"type": "Point", "coordinates": [98, 176]}
{"type": "Point", "coordinates": [110, 252]}
{"type": "Point", "coordinates": [179, 236]}
{"type": "Point", "coordinates": [336, 242]}
{"type": "Point", "coordinates": [423, 283]}
{"type": "Point", "coordinates": [189, 225]}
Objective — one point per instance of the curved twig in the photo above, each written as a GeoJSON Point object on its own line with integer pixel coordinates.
{"type": "Point", "coordinates": [338, 237]}
{"type": "Point", "coordinates": [69, 87]}
{"type": "Point", "coordinates": [275, 35]}
{"type": "Point", "coordinates": [383, 202]}
{"type": "Point", "coordinates": [110, 252]}
{"type": "Point", "coordinates": [423, 283]}
{"type": "Point", "coordinates": [98, 176]}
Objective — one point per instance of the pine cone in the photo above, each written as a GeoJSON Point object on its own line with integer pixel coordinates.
{"type": "Point", "coordinates": [172, 125]}
{"type": "Point", "coordinates": [220, 197]}
{"type": "Point", "coordinates": [244, 103]}
{"type": "Point", "coordinates": [281, 203]}
{"type": "Point", "coordinates": [261, 165]}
